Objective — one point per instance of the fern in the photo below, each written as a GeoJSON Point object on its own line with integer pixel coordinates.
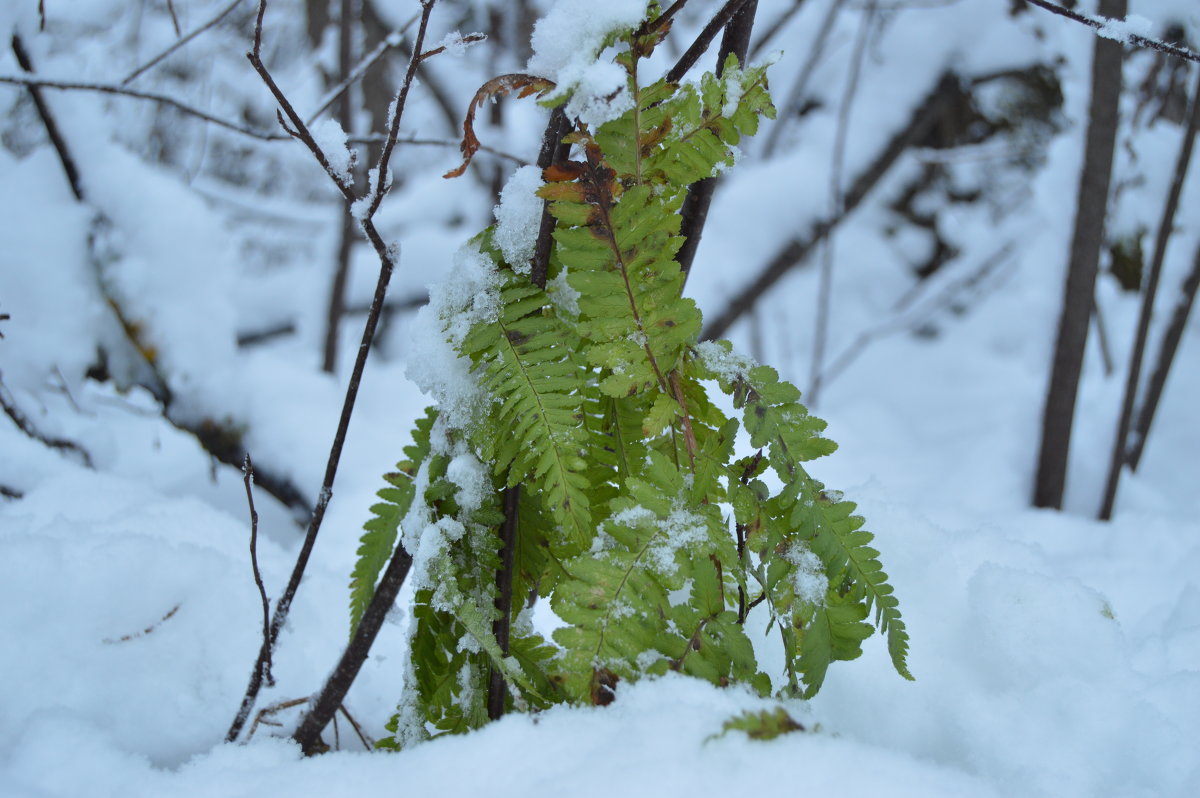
{"type": "Point", "coordinates": [626, 469]}
{"type": "Point", "coordinates": [528, 359]}
{"type": "Point", "coordinates": [381, 530]}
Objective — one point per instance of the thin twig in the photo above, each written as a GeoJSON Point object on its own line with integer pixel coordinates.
{"type": "Point", "coordinates": [248, 474]}
{"type": "Point", "coordinates": [339, 682]}
{"type": "Point", "coordinates": [794, 252]}
{"type": "Point", "coordinates": [56, 139]}
{"type": "Point", "coordinates": [1166, 225]}
{"type": "Point", "coordinates": [837, 205]}
{"type": "Point", "coordinates": [381, 174]}
{"type": "Point", "coordinates": [1162, 365]}
{"type": "Point", "coordinates": [174, 17]}
{"type": "Point", "coordinates": [441, 98]}
{"type": "Point", "coordinates": [774, 28]}
{"type": "Point", "coordinates": [347, 36]}
{"type": "Point", "coordinates": [299, 130]}
{"type": "Point", "coordinates": [356, 72]}
{"type": "Point", "coordinates": [1106, 357]}
{"type": "Point", "coordinates": [380, 138]}
{"type": "Point", "coordinates": [260, 135]}
{"type": "Point", "coordinates": [110, 641]}
{"type": "Point", "coordinates": [183, 40]}
{"type": "Point", "coordinates": [271, 711]}
{"type": "Point", "coordinates": [907, 317]}
{"type": "Point", "coordinates": [11, 493]}
{"type": "Point", "coordinates": [1100, 25]}
{"type": "Point", "coordinates": [9, 405]}
{"type": "Point", "coordinates": [362, 736]}
{"type": "Point", "coordinates": [41, 16]}
{"type": "Point", "coordinates": [702, 42]}
{"type": "Point", "coordinates": [792, 105]}
{"type": "Point", "coordinates": [105, 88]}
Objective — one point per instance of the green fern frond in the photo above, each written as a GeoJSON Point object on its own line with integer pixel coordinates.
{"type": "Point", "coordinates": [383, 527]}
{"type": "Point", "coordinates": [835, 535]}
{"type": "Point", "coordinates": [527, 361]}
{"type": "Point", "coordinates": [835, 632]}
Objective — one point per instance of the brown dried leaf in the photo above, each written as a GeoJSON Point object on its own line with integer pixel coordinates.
{"type": "Point", "coordinates": [524, 85]}
{"type": "Point", "coordinates": [563, 172]}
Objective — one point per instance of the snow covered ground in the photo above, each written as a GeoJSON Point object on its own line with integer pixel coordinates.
{"type": "Point", "coordinates": [1054, 655]}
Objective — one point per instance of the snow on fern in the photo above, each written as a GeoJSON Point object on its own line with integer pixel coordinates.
{"type": "Point", "coordinates": [566, 42]}
{"type": "Point", "coordinates": [468, 296]}
{"type": "Point", "coordinates": [518, 218]}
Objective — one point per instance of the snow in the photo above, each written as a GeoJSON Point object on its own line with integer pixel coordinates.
{"type": "Point", "coordinates": [518, 217]}
{"type": "Point", "coordinates": [1054, 654]}
{"type": "Point", "coordinates": [565, 44]}
{"type": "Point", "coordinates": [468, 296]}
{"type": "Point", "coordinates": [331, 139]}
{"type": "Point", "coordinates": [457, 44]}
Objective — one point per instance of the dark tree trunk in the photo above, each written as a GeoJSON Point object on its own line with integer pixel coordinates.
{"type": "Point", "coordinates": [1091, 206]}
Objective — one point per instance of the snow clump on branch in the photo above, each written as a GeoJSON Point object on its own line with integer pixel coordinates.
{"type": "Point", "coordinates": [566, 42]}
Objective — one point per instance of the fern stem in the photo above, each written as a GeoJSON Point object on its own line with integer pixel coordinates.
{"type": "Point", "coordinates": [693, 644]}
{"type": "Point", "coordinates": [689, 435]}
{"type": "Point", "coordinates": [610, 236]}
{"type": "Point", "coordinates": [497, 689]}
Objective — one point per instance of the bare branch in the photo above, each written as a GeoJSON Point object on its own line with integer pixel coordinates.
{"type": "Point", "coordinates": [909, 316]}
{"type": "Point", "coordinates": [261, 135]}
{"type": "Point", "coordinates": [298, 130]}
{"type": "Point", "coordinates": [56, 139]}
{"type": "Point", "coordinates": [360, 69]}
{"type": "Point", "coordinates": [9, 405]}
{"type": "Point", "coordinates": [183, 40]}
{"type": "Point", "coordinates": [308, 733]}
{"type": "Point", "coordinates": [1166, 225]}
{"type": "Point", "coordinates": [362, 736]}
{"type": "Point", "coordinates": [248, 475]}
{"type": "Point", "coordinates": [105, 88]}
{"type": "Point", "coordinates": [774, 28]}
{"type": "Point", "coordinates": [1162, 365]}
{"type": "Point", "coordinates": [836, 205]}
{"type": "Point", "coordinates": [397, 111]}
{"type": "Point", "coordinates": [1079, 288]}
{"type": "Point", "coordinates": [335, 689]}
{"type": "Point", "coordinates": [702, 42]}
{"type": "Point", "coordinates": [694, 212]}
{"type": "Point", "coordinates": [553, 151]}
{"type": "Point", "coordinates": [174, 16]}
{"type": "Point", "coordinates": [1101, 24]}
{"type": "Point", "coordinates": [111, 641]}
{"type": "Point", "coordinates": [944, 94]}
{"type": "Point", "coordinates": [789, 109]}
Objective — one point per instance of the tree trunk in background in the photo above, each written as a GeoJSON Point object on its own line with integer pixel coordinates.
{"type": "Point", "coordinates": [1082, 267]}
{"type": "Point", "coordinates": [347, 28]}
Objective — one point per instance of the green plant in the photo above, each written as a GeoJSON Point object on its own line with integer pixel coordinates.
{"type": "Point", "coordinates": [587, 420]}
